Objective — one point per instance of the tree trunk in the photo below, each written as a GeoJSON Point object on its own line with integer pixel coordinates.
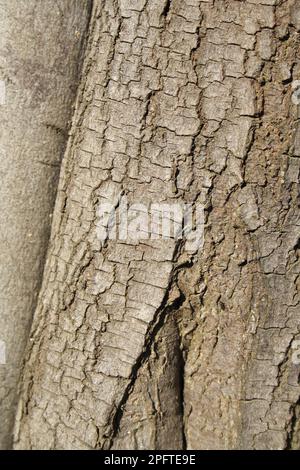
{"type": "Point", "coordinates": [40, 49]}
{"type": "Point", "coordinates": [147, 344]}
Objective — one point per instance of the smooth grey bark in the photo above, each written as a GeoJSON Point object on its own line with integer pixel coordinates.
{"type": "Point", "coordinates": [40, 48]}
{"type": "Point", "coordinates": [144, 345]}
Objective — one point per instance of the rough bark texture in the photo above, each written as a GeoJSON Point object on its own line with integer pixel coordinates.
{"type": "Point", "coordinates": [144, 345]}
{"type": "Point", "coordinates": [40, 44]}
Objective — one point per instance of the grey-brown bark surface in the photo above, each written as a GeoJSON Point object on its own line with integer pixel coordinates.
{"type": "Point", "coordinates": [40, 46]}
{"type": "Point", "coordinates": [145, 345]}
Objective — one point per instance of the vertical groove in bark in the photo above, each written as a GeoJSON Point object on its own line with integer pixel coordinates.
{"type": "Point", "coordinates": [152, 416]}
{"type": "Point", "coordinates": [40, 47]}
{"type": "Point", "coordinates": [293, 438]}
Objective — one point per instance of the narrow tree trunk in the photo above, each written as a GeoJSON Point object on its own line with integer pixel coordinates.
{"type": "Point", "coordinates": [146, 345]}
{"type": "Point", "coordinates": [40, 44]}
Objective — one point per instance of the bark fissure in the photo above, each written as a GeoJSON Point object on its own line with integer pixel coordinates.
{"type": "Point", "coordinates": [164, 311]}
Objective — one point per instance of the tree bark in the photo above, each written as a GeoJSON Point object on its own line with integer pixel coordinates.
{"type": "Point", "coordinates": [147, 345]}
{"type": "Point", "coordinates": [40, 48]}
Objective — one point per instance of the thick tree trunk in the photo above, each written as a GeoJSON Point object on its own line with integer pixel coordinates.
{"type": "Point", "coordinates": [40, 44]}
{"type": "Point", "coordinates": [147, 345]}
